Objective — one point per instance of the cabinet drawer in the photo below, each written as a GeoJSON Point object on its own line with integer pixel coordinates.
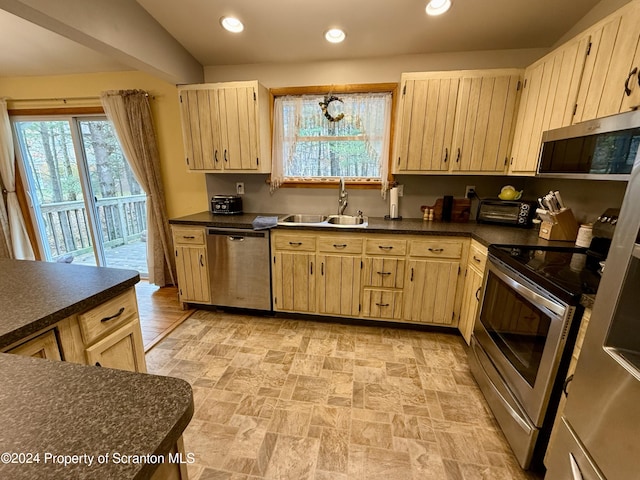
{"type": "Point", "coordinates": [383, 246]}
{"type": "Point", "coordinates": [436, 249]}
{"type": "Point", "coordinates": [385, 304]}
{"type": "Point", "coordinates": [188, 235]}
{"type": "Point", "coordinates": [295, 242]}
{"type": "Point", "coordinates": [108, 316]}
{"type": "Point", "coordinates": [384, 272]}
{"type": "Point", "coordinates": [339, 245]}
{"type": "Point", "coordinates": [478, 256]}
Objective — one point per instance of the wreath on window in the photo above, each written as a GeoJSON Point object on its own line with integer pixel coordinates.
{"type": "Point", "coordinates": [324, 105]}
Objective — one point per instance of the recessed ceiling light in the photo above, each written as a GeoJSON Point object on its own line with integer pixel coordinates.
{"type": "Point", "coordinates": [231, 24]}
{"type": "Point", "coordinates": [335, 35]}
{"type": "Point", "coordinates": [438, 7]}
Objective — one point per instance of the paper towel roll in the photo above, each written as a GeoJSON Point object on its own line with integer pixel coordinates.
{"type": "Point", "coordinates": [393, 203]}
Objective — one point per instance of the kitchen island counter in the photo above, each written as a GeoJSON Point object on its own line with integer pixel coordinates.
{"type": "Point", "coordinates": [35, 295]}
{"type": "Point", "coordinates": [120, 425]}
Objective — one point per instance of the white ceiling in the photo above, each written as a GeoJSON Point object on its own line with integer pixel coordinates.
{"type": "Point", "coordinates": [278, 31]}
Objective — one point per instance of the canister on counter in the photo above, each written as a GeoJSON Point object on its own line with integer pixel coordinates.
{"type": "Point", "coordinates": [585, 233]}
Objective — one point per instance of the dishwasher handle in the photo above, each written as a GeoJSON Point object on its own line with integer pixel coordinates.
{"type": "Point", "coordinates": [235, 233]}
{"type": "Point", "coordinates": [236, 238]}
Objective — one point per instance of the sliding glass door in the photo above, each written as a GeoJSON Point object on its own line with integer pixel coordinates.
{"type": "Point", "coordinates": [86, 204]}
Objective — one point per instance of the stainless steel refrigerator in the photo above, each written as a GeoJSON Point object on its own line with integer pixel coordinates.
{"type": "Point", "coordinates": [600, 429]}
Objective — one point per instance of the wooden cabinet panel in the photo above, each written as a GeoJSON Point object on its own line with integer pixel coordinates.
{"type": "Point", "coordinates": [436, 248]}
{"type": "Point", "coordinates": [382, 304]}
{"type": "Point", "coordinates": [596, 69]}
{"type": "Point", "coordinates": [427, 114]}
{"type": "Point", "coordinates": [120, 350]}
{"type": "Point", "coordinates": [430, 291]}
{"type": "Point", "coordinates": [383, 272]}
{"type": "Point", "coordinates": [42, 346]}
{"type": "Point", "coordinates": [226, 127]}
{"type": "Point", "coordinates": [193, 274]}
{"type": "Point", "coordinates": [339, 244]}
{"type": "Point", "coordinates": [474, 276]}
{"type": "Point", "coordinates": [385, 246]}
{"type": "Point", "coordinates": [108, 316]}
{"type": "Point", "coordinates": [294, 282]}
{"type": "Point", "coordinates": [484, 123]}
{"type": "Point", "coordinates": [300, 243]}
{"type": "Point", "coordinates": [339, 284]}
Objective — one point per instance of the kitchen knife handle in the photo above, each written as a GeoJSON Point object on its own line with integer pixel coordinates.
{"type": "Point", "coordinates": [116, 315]}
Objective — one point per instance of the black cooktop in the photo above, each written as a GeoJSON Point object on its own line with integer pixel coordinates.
{"type": "Point", "coordinates": [567, 272]}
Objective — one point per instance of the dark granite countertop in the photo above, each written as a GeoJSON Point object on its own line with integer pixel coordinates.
{"type": "Point", "coordinates": [60, 408]}
{"type": "Point", "coordinates": [35, 294]}
{"type": "Point", "coordinates": [485, 234]}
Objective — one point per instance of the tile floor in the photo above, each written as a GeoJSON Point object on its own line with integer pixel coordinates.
{"type": "Point", "coordinates": [297, 399]}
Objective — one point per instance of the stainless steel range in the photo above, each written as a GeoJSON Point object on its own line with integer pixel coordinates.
{"type": "Point", "coordinates": [523, 337]}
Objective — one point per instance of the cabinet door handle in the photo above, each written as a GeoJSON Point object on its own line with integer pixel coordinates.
{"type": "Point", "coordinates": [322, 268]}
{"type": "Point", "coordinates": [215, 155]}
{"type": "Point", "coordinates": [295, 244]}
{"type": "Point", "coordinates": [478, 293]}
{"type": "Point", "coordinates": [339, 245]}
{"type": "Point", "coordinates": [201, 261]}
{"type": "Point", "coordinates": [225, 155]}
{"type": "Point", "coordinates": [116, 315]}
{"type": "Point", "coordinates": [436, 250]}
{"type": "Point", "coordinates": [446, 155]}
{"type": "Point", "coordinates": [188, 237]}
{"type": "Point", "coordinates": [382, 304]}
{"type": "Point", "coordinates": [566, 383]}
{"type": "Point", "coordinates": [476, 259]}
{"type": "Point", "coordinates": [627, 90]}
{"type": "Point", "coordinates": [385, 247]}
{"type": "Point", "coordinates": [383, 273]}
{"type": "Point", "coordinates": [458, 156]}
{"type": "Point", "coordinates": [411, 279]}
{"type": "Point", "coordinates": [311, 268]}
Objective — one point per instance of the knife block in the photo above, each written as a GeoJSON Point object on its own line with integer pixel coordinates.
{"type": "Point", "coordinates": [560, 225]}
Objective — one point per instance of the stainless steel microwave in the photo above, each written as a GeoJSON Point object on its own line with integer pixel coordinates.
{"type": "Point", "coordinates": [604, 148]}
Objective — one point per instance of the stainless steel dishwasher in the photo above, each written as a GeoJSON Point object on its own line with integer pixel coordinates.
{"type": "Point", "coordinates": [239, 268]}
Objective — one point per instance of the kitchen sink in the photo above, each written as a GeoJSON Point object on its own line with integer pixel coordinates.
{"type": "Point", "coordinates": [316, 220]}
{"type": "Point", "coordinates": [302, 218]}
{"type": "Point", "coordinates": [345, 220]}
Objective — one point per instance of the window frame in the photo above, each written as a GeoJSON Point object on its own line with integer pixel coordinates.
{"type": "Point", "coordinates": [391, 88]}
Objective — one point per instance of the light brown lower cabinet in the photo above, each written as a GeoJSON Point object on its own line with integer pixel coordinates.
{"type": "Point", "coordinates": [173, 470]}
{"type": "Point", "coordinates": [108, 334]}
{"type": "Point", "coordinates": [472, 292]}
{"type": "Point", "coordinates": [401, 278]}
{"type": "Point", "coordinates": [44, 345]}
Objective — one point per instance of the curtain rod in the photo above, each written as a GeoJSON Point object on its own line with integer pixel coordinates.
{"type": "Point", "coordinates": [58, 99]}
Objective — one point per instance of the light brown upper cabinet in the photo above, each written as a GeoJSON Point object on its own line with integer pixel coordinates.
{"type": "Point", "coordinates": [226, 127]}
{"type": "Point", "coordinates": [610, 85]}
{"type": "Point", "coordinates": [548, 100]}
{"type": "Point", "coordinates": [458, 121]}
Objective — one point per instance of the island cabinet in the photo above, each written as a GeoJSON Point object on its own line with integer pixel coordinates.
{"type": "Point", "coordinates": [457, 122]}
{"type": "Point", "coordinates": [192, 265]}
{"type": "Point", "coordinates": [402, 278]}
{"type": "Point", "coordinates": [472, 293]}
{"type": "Point", "coordinates": [106, 335]}
{"type": "Point", "coordinates": [226, 127]}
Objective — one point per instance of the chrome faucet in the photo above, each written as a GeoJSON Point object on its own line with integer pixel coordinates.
{"type": "Point", "coordinates": [342, 197]}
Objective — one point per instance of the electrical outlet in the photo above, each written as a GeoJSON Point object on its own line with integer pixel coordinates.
{"type": "Point", "coordinates": [240, 188]}
{"type": "Point", "coordinates": [400, 190]}
{"type": "Point", "coordinates": [469, 189]}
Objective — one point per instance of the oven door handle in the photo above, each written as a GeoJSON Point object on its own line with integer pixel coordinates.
{"type": "Point", "coordinates": [529, 294]}
{"type": "Point", "coordinates": [519, 420]}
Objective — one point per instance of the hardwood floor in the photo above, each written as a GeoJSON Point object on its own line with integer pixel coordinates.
{"type": "Point", "coordinates": [160, 312]}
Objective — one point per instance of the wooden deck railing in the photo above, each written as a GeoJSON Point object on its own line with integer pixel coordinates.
{"type": "Point", "coordinates": [121, 220]}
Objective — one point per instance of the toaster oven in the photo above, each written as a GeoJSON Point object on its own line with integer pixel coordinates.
{"type": "Point", "coordinates": [517, 213]}
{"type": "Point", "coordinates": [226, 205]}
